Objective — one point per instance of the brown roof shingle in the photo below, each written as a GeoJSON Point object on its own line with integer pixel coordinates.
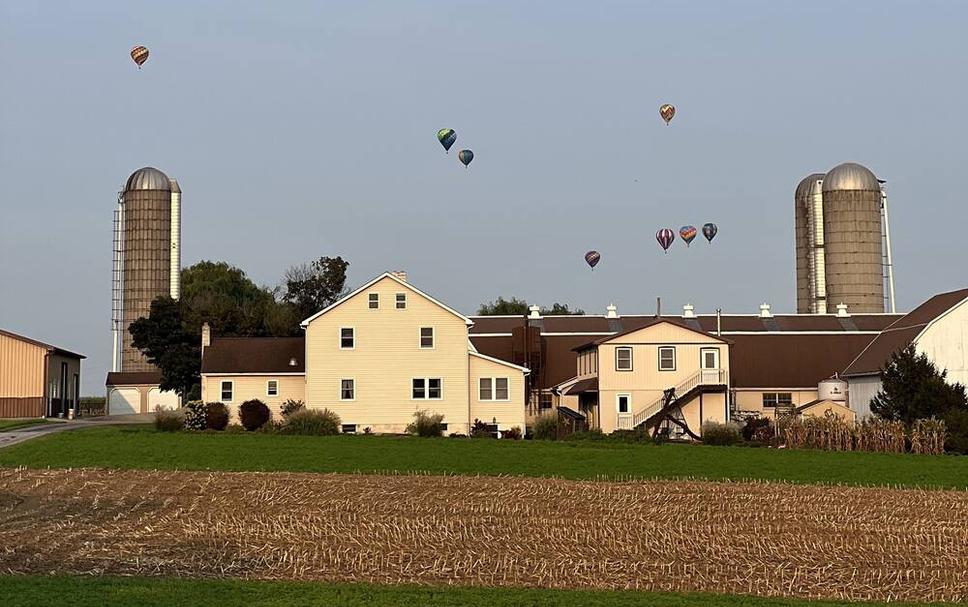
{"type": "Point", "coordinates": [778, 360]}
{"type": "Point", "coordinates": [133, 378]}
{"type": "Point", "coordinates": [255, 355]}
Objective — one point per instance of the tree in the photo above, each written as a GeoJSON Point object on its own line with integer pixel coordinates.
{"type": "Point", "coordinates": [519, 307]}
{"type": "Point", "coordinates": [913, 388]}
{"type": "Point", "coordinates": [164, 340]}
{"type": "Point", "coordinates": [311, 287]}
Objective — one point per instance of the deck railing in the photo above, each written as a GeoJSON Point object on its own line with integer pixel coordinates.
{"type": "Point", "coordinates": [705, 377]}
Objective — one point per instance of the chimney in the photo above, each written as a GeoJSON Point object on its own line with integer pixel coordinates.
{"type": "Point", "coordinates": [535, 312]}
{"type": "Point", "coordinates": [688, 311]}
{"type": "Point", "coordinates": [400, 275]}
{"type": "Point", "coordinates": [611, 311]}
{"type": "Point", "coordinates": [719, 322]}
{"type": "Point", "coordinates": [765, 311]}
{"type": "Point", "coordinates": [842, 310]}
{"type": "Point", "coordinates": [658, 307]}
{"type": "Point", "coordinates": [206, 336]}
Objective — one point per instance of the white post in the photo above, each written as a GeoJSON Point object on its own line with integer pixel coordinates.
{"type": "Point", "coordinates": [174, 277]}
{"type": "Point", "coordinates": [819, 256]}
{"type": "Point", "coordinates": [887, 245]}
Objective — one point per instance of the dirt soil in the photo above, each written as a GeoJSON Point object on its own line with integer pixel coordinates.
{"type": "Point", "coordinates": [757, 538]}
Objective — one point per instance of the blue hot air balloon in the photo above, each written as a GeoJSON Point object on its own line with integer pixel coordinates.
{"type": "Point", "coordinates": [465, 156]}
{"type": "Point", "coordinates": [446, 137]}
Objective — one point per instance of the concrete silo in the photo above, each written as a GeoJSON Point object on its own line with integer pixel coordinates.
{"type": "Point", "coordinates": [147, 235]}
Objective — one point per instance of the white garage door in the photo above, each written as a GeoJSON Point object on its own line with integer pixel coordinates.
{"type": "Point", "coordinates": [124, 401]}
{"type": "Point", "coordinates": [157, 398]}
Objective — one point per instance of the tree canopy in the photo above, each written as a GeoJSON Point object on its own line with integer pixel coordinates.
{"type": "Point", "coordinates": [515, 307]}
{"type": "Point", "coordinates": [311, 287]}
{"type": "Point", "coordinates": [913, 388]}
{"type": "Point", "coordinates": [165, 340]}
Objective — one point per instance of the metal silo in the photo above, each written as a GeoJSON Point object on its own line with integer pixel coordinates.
{"type": "Point", "coordinates": [811, 276]}
{"type": "Point", "coordinates": [143, 258]}
{"type": "Point", "coordinates": [853, 238]}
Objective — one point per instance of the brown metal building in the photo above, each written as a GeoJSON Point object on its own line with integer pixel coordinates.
{"type": "Point", "coordinates": [37, 379]}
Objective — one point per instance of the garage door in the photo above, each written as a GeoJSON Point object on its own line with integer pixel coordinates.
{"type": "Point", "coordinates": [157, 398]}
{"type": "Point", "coordinates": [124, 401]}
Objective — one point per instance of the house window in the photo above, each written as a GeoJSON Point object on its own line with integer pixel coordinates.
{"type": "Point", "coordinates": [227, 391]}
{"type": "Point", "coordinates": [272, 387]}
{"type": "Point", "coordinates": [494, 388]}
{"type": "Point", "coordinates": [426, 337]}
{"type": "Point", "coordinates": [401, 301]}
{"type": "Point", "coordinates": [348, 428]}
{"type": "Point", "coordinates": [487, 388]}
{"type": "Point", "coordinates": [501, 388]}
{"type": "Point", "coordinates": [772, 399]}
{"type": "Point", "coordinates": [424, 388]}
{"type": "Point", "coordinates": [374, 301]}
{"type": "Point", "coordinates": [347, 338]}
{"type": "Point", "coordinates": [623, 404]}
{"type": "Point", "coordinates": [545, 401]}
{"type": "Point", "coordinates": [623, 359]}
{"type": "Point", "coordinates": [667, 358]}
{"type": "Point", "coordinates": [347, 389]}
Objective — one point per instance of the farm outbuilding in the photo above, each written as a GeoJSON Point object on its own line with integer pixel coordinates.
{"type": "Point", "coordinates": [37, 379]}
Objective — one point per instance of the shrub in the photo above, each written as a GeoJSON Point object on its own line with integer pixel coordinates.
{"type": "Point", "coordinates": [481, 429]}
{"type": "Point", "coordinates": [637, 435]}
{"type": "Point", "coordinates": [253, 414]}
{"type": "Point", "coordinates": [426, 424]}
{"type": "Point", "coordinates": [291, 406]}
{"type": "Point", "coordinates": [234, 429]}
{"type": "Point", "coordinates": [727, 434]}
{"type": "Point", "coordinates": [309, 422]}
{"type": "Point", "coordinates": [758, 430]}
{"type": "Point", "coordinates": [956, 431]}
{"type": "Point", "coordinates": [195, 414]}
{"type": "Point", "coordinates": [168, 420]}
{"type": "Point", "coordinates": [270, 427]}
{"type": "Point", "coordinates": [216, 416]}
{"type": "Point", "coordinates": [546, 427]}
{"type": "Point", "coordinates": [512, 433]}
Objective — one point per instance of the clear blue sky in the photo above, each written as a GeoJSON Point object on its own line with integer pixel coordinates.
{"type": "Point", "coordinates": [302, 129]}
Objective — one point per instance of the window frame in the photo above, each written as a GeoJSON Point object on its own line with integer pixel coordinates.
{"type": "Point", "coordinates": [426, 388]}
{"type": "Point", "coordinates": [270, 382]}
{"type": "Point", "coordinates": [659, 358]}
{"type": "Point", "coordinates": [507, 389]}
{"type": "Point", "coordinates": [221, 391]}
{"type": "Point", "coordinates": [433, 338]}
{"type": "Point", "coordinates": [400, 298]}
{"type": "Point", "coordinates": [631, 366]}
{"type": "Point", "coordinates": [352, 337]}
{"type": "Point", "coordinates": [490, 389]}
{"type": "Point", "coordinates": [371, 299]}
{"type": "Point", "coordinates": [352, 381]}
{"type": "Point", "coordinates": [618, 401]}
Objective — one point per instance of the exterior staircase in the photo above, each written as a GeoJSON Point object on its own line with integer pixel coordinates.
{"type": "Point", "coordinates": [706, 380]}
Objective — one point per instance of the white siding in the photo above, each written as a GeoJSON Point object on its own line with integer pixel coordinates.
{"type": "Point", "coordinates": [945, 341]}
{"type": "Point", "coordinates": [860, 391]}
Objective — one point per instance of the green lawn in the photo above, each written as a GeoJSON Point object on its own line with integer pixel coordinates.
{"type": "Point", "coordinates": [144, 448]}
{"type": "Point", "coordinates": [13, 424]}
{"type": "Point", "coordinates": [145, 592]}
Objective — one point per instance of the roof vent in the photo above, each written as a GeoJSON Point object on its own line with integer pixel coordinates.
{"type": "Point", "coordinates": [842, 310]}
{"type": "Point", "coordinates": [688, 311]}
{"type": "Point", "coordinates": [535, 312]}
{"type": "Point", "coordinates": [400, 275]}
{"type": "Point", "coordinates": [293, 362]}
{"type": "Point", "coordinates": [611, 311]}
{"type": "Point", "coordinates": [765, 311]}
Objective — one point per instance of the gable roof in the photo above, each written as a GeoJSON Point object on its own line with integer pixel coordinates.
{"type": "Point", "coordinates": [48, 347]}
{"type": "Point", "coordinates": [791, 360]}
{"type": "Point", "coordinates": [525, 370]}
{"type": "Point", "coordinates": [903, 332]}
{"type": "Point", "coordinates": [402, 283]}
{"type": "Point", "coordinates": [255, 355]}
{"type": "Point", "coordinates": [651, 323]}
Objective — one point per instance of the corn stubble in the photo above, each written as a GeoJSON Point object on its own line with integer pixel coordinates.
{"type": "Point", "coordinates": [768, 539]}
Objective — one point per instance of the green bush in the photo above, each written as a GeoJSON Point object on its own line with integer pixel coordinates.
{"type": "Point", "coordinates": [216, 416]}
{"type": "Point", "coordinates": [310, 422]}
{"type": "Point", "coordinates": [512, 433]}
{"type": "Point", "coordinates": [480, 429]}
{"type": "Point", "coordinates": [758, 430]}
{"type": "Point", "coordinates": [636, 435]}
{"type": "Point", "coordinates": [546, 427]}
{"type": "Point", "coordinates": [727, 434]}
{"type": "Point", "coordinates": [234, 429]}
{"type": "Point", "coordinates": [195, 413]}
{"type": "Point", "coordinates": [291, 406]}
{"type": "Point", "coordinates": [595, 434]}
{"type": "Point", "coordinates": [253, 414]}
{"type": "Point", "coordinates": [426, 424]}
{"type": "Point", "coordinates": [168, 420]}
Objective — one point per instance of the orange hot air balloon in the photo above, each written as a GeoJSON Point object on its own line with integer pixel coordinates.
{"type": "Point", "coordinates": [667, 112]}
{"type": "Point", "coordinates": [140, 55]}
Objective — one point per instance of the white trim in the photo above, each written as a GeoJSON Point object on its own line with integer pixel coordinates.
{"type": "Point", "coordinates": [397, 302]}
{"type": "Point", "coordinates": [675, 357]}
{"type": "Point", "coordinates": [267, 374]}
{"type": "Point", "coordinates": [407, 285]}
{"type": "Point", "coordinates": [631, 366]}
{"type": "Point", "coordinates": [221, 391]}
{"type": "Point", "coordinates": [341, 380]}
{"type": "Point", "coordinates": [340, 336]}
{"type": "Point", "coordinates": [585, 333]}
{"type": "Point", "coordinates": [802, 332]}
{"type": "Point", "coordinates": [526, 370]}
{"type": "Point", "coordinates": [936, 319]}
{"type": "Point", "coordinates": [493, 382]}
{"type": "Point", "coordinates": [426, 381]}
{"type": "Point", "coordinates": [628, 397]}
{"type": "Point", "coordinates": [369, 300]}
{"type": "Point", "coordinates": [268, 381]}
{"type": "Point", "coordinates": [433, 338]}
{"type": "Point", "coordinates": [472, 335]}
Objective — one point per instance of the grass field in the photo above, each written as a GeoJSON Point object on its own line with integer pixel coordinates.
{"type": "Point", "coordinates": [13, 424]}
{"type": "Point", "coordinates": [154, 592]}
{"type": "Point", "coordinates": [143, 448]}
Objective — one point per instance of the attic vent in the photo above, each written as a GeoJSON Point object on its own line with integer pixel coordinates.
{"type": "Point", "coordinates": [293, 362]}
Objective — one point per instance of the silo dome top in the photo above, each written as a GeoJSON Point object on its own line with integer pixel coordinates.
{"type": "Point", "coordinates": [850, 176]}
{"type": "Point", "coordinates": [148, 178]}
{"type": "Point", "coordinates": [808, 185]}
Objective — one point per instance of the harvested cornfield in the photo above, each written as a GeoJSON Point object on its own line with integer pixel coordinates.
{"type": "Point", "coordinates": [757, 538]}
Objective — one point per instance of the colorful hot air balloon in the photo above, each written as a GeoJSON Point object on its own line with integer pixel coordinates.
{"type": "Point", "coordinates": [687, 234]}
{"type": "Point", "coordinates": [465, 156]}
{"type": "Point", "coordinates": [446, 137]}
{"type": "Point", "coordinates": [667, 111]}
{"type": "Point", "coordinates": [140, 55]}
{"type": "Point", "coordinates": [665, 237]}
{"type": "Point", "coordinates": [592, 258]}
{"type": "Point", "coordinates": [709, 231]}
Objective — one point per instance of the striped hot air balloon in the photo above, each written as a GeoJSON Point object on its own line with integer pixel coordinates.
{"type": "Point", "coordinates": [665, 237]}
{"type": "Point", "coordinates": [140, 55]}
{"type": "Point", "coordinates": [687, 234]}
{"type": "Point", "coordinates": [592, 258]}
{"type": "Point", "coordinates": [465, 156]}
{"type": "Point", "coordinates": [446, 137]}
{"type": "Point", "coordinates": [667, 111]}
{"type": "Point", "coordinates": [709, 230]}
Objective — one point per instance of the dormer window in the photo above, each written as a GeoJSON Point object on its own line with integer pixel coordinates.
{"type": "Point", "coordinates": [401, 301]}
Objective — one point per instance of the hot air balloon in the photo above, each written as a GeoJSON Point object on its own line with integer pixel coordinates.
{"type": "Point", "coordinates": [709, 231]}
{"type": "Point", "coordinates": [465, 156]}
{"type": "Point", "coordinates": [446, 137]}
{"type": "Point", "coordinates": [140, 55]}
{"type": "Point", "coordinates": [592, 258]}
{"type": "Point", "coordinates": [665, 237]}
{"type": "Point", "coordinates": [667, 112]}
{"type": "Point", "coordinates": [687, 234]}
